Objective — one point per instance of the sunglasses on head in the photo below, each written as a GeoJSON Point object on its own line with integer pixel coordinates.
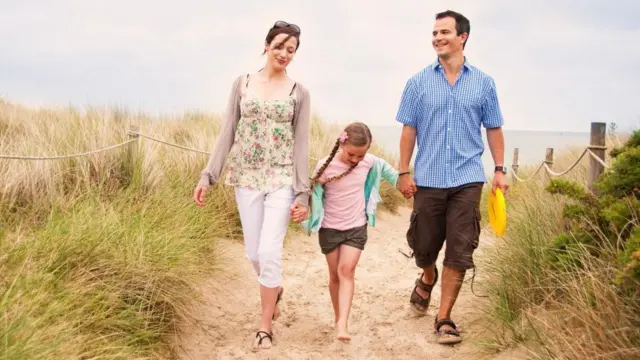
{"type": "Point", "coordinates": [284, 24]}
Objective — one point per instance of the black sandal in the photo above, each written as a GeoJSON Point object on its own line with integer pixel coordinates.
{"type": "Point", "coordinates": [448, 340]}
{"type": "Point", "coordinates": [419, 300]}
{"type": "Point", "coordinates": [261, 335]}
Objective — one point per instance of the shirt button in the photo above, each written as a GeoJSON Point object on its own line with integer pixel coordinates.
{"type": "Point", "coordinates": [448, 129]}
{"type": "Point", "coordinates": [449, 110]}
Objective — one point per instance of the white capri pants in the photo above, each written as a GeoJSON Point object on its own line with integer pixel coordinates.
{"type": "Point", "coordinates": [265, 220]}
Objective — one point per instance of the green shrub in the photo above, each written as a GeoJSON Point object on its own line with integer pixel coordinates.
{"type": "Point", "coordinates": [606, 221]}
{"type": "Point", "coordinates": [565, 280]}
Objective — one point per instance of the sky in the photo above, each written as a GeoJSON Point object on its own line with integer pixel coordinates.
{"type": "Point", "coordinates": [556, 66]}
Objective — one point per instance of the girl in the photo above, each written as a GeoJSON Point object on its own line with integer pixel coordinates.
{"type": "Point", "coordinates": [266, 138]}
{"type": "Point", "coordinates": [346, 190]}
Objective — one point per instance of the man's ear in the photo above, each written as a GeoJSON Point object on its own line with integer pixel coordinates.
{"type": "Point", "coordinates": [464, 37]}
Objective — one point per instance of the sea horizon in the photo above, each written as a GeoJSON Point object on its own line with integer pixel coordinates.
{"type": "Point", "coordinates": [532, 144]}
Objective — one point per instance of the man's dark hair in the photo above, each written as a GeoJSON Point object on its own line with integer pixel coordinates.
{"type": "Point", "coordinates": [462, 23]}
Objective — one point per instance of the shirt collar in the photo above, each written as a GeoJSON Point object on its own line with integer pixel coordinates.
{"type": "Point", "coordinates": [466, 65]}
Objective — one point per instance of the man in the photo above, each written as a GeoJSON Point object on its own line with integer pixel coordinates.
{"type": "Point", "coordinates": [444, 106]}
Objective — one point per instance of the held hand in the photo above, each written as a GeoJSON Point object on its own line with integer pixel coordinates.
{"type": "Point", "coordinates": [298, 213]}
{"type": "Point", "coordinates": [301, 214]}
{"type": "Point", "coordinates": [500, 181]}
{"type": "Point", "coordinates": [198, 195]}
{"type": "Point", "coordinates": [407, 186]}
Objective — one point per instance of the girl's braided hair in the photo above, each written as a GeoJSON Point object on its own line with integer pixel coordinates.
{"type": "Point", "coordinates": [358, 134]}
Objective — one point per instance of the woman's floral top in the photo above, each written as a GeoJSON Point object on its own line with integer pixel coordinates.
{"type": "Point", "coordinates": [256, 142]}
{"type": "Point", "coordinates": [261, 157]}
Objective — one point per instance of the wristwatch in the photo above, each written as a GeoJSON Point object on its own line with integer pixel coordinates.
{"type": "Point", "coordinates": [501, 168]}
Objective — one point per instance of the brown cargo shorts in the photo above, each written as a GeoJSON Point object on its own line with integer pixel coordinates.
{"type": "Point", "coordinates": [452, 214]}
{"type": "Point", "coordinates": [330, 239]}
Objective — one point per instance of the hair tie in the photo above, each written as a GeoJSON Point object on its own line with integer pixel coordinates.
{"type": "Point", "coordinates": [343, 137]}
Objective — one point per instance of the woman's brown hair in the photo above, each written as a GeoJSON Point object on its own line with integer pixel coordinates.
{"type": "Point", "coordinates": [358, 134]}
{"type": "Point", "coordinates": [282, 27]}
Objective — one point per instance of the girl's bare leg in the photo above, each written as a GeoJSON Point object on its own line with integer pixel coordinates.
{"type": "Point", "coordinates": [347, 261]}
{"type": "Point", "coordinates": [334, 280]}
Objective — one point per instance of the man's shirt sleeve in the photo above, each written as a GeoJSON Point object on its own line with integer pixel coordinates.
{"type": "Point", "coordinates": [491, 113]}
{"type": "Point", "coordinates": [408, 111]}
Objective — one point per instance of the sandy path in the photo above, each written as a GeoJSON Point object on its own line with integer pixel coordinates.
{"type": "Point", "coordinates": [382, 325]}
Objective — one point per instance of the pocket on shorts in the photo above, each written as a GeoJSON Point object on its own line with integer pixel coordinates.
{"type": "Point", "coordinates": [476, 226]}
{"type": "Point", "coordinates": [413, 228]}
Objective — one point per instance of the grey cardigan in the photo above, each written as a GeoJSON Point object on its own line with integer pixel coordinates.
{"type": "Point", "coordinates": [301, 124]}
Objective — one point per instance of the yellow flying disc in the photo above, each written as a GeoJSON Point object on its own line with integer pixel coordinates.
{"type": "Point", "coordinates": [497, 212]}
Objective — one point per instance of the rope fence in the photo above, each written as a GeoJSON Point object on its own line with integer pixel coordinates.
{"type": "Point", "coordinates": [544, 165]}
{"type": "Point", "coordinates": [59, 157]}
{"type": "Point", "coordinates": [133, 133]}
{"type": "Point", "coordinates": [167, 143]}
{"type": "Point", "coordinates": [595, 150]}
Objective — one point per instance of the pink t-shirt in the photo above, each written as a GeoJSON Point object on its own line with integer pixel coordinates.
{"type": "Point", "coordinates": [344, 203]}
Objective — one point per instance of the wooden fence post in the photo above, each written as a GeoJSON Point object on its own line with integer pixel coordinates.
{"type": "Point", "coordinates": [548, 157]}
{"type": "Point", "coordinates": [597, 144]}
{"type": "Point", "coordinates": [132, 149]}
{"type": "Point", "coordinates": [514, 165]}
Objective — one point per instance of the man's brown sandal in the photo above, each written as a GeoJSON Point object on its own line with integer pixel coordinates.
{"type": "Point", "coordinates": [417, 300]}
{"type": "Point", "coordinates": [454, 339]}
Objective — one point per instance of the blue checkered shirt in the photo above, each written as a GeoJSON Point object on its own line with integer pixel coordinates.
{"type": "Point", "coordinates": [448, 124]}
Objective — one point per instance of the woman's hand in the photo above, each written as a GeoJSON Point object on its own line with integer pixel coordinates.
{"type": "Point", "coordinates": [298, 213]}
{"type": "Point", "coordinates": [198, 195]}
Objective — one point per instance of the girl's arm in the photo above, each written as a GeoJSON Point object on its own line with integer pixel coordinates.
{"type": "Point", "coordinates": [218, 157]}
{"type": "Point", "coordinates": [389, 173]}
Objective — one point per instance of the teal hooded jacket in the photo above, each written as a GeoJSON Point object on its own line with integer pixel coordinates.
{"type": "Point", "coordinates": [380, 170]}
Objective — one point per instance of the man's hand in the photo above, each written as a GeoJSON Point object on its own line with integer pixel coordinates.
{"type": "Point", "coordinates": [407, 186]}
{"type": "Point", "coordinates": [495, 138]}
{"type": "Point", "coordinates": [500, 181]}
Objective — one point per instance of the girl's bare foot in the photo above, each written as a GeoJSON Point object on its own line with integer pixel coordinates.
{"type": "Point", "coordinates": [342, 333]}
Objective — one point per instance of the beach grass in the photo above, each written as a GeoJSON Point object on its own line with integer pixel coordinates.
{"type": "Point", "coordinates": [102, 255]}
{"type": "Point", "coordinates": [550, 295]}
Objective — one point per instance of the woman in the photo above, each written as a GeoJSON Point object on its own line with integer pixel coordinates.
{"type": "Point", "coordinates": [266, 139]}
